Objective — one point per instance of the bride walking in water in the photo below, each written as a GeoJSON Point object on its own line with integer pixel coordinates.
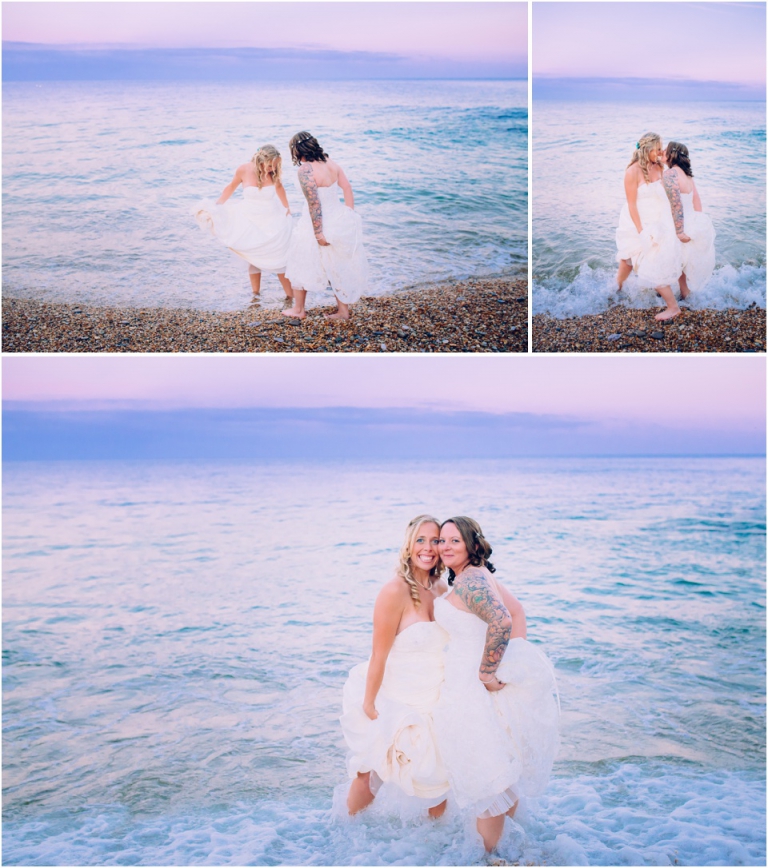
{"type": "Point", "coordinates": [646, 238]}
{"type": "Point", "coordinates": [258, 227]}
{"type": "Point", "coordinates": [327, 244]}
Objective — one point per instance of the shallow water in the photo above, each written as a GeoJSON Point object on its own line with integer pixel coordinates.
{"type": "Point", "coordinates": [176, 637]}
{"type": "Point", "coordinates": [580, 152]}
{"type": "Point", "coordinates": [100, 178]}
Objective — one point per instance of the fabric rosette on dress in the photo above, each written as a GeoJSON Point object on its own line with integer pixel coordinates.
{"type": "Point", "coordinates": [496, 746]}
{"type": "Point", "coordinates": [343, 263]}
{"type": "Point", "coordinates": [699, 252]}
{"type": "Point", "coordinates": [399, 745]}
{"type": "Point", "coordinates": [256, 228]}
{"type": "Point", "coordinates": [655, 252]}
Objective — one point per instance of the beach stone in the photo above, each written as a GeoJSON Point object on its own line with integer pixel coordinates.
{"type": "Point", "coordinates": [613, 337]}
{"type": "Point", "coordinates": [383, 348]}
{"type": "Point", "coordinates": [658, 336]}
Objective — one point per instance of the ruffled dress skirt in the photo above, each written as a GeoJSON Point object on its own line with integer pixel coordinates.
{"type": "Point", "coordinates": [399, 746]}
{"type": "Point", "coordinates": [699, 252]}
{"type": "Point", "coordinates": [255, 228]}
{"type": "Point", "coordinates": [497, 746]}
{"type": "Point", "coordinates": [343, 264]}
{"type": "Point", "coordinates": [655, 252]}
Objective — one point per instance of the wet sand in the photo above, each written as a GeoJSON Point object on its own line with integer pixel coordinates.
{"type": "Point", "coordinates": [474, 316]}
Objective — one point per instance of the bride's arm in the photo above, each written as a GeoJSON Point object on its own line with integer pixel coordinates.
{"type": "Point", "coordinates": [309, 188]}
{"type": "Point", "coordinates": [671, 185]}
{"type": "Point", "coordinates": [630, 190]}
{"type": "Point", "coordinates": [386, 619]}
{"type": "Point", "coordinates": [474, 590]}
{"type": "Point", "coordinates": [516, 612]}
{"type": "Point", "coordinates": [280, 190]}
{"type": "Point", "coordinates": [230, 188]}
{"type": "Point", "coordinates": [696, 200]}
{"type": "Point", "coordinates": [346, 188]}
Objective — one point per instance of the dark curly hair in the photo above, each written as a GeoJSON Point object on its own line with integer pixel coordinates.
{"type": "Point", "coordinates": [677, 155]}
{"type": "Point", "coordinates": [305, 146]}
{"type": "Point", "coordinates": [478, 547]}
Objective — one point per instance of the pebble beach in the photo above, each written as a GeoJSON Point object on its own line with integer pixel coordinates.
{"type": "Point", "coordinates": [475, 316]}
{"type": "Point", "coordinates": [626, 330]}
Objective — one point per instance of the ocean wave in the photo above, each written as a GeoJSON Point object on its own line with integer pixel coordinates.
{"type": "Point", "coordinates": [593, 290]}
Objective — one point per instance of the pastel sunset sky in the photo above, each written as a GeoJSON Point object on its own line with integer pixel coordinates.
{"type": "Point", "coordinates": [471, 36]}
{"type": "Point", "coordinates": [703, 42]}
{"type": "Point", "coordinates": [626, 388]}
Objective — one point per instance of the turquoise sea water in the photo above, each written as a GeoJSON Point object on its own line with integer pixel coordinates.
{"type": "Point", "coordinates": [99, 180]}
{"type": "Point", "coordinates": [176, 637]}
{"type": "Point", "coordinates": [580, 153]}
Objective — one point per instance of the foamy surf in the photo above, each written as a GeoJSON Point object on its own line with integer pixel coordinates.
{"type": "Point", "coordinates": [593, 290]}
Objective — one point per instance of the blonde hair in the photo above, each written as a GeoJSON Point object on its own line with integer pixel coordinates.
{"type": "Point", "coordinates": [642, 151]}
{"type": "Point", "coordinates": [404, 565]}
{"type": "Point", "coordinates": [267, 154]}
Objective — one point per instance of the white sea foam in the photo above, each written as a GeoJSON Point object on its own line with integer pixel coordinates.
{"type": "Point", "coordinates": [593, 290]}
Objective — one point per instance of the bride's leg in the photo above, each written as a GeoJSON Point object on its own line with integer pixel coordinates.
{"type": "Point", "coordinates": [360, 795]}
{"type": "Point", "coordinates": [286, 284]}
{"type": "Point", "coordinates": [255, 281]}
{"type": "Point", "coordinates": [490, 829]}
{"type": "Point", "coordinates": [625, 269]}
{"type": "Point", "coordinates": [511, 811]}
{"type": "Point", "coordinates": [673, 308]}
{"type": "Point", "coordinates": [341, 313]}
{"type": "Point", "coordinates": [299, 299]}
{"type": "Point", "coordinates": [684, 291]}
{"type": "Point", "coordinates": [438, 810]}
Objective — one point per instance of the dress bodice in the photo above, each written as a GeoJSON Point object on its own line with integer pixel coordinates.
{"type": "Point", "coordinates": [264, 193]}
{"type": "Point", "coordinates": [415, 663]}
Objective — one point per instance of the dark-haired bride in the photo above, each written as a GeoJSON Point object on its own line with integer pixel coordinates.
{"type": "Point", "coordinates": [327, 243]}
{"type": "Point", "coordinates": [496, 722]}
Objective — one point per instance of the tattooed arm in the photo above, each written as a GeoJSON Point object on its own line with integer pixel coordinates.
{"type": "Point", "coordinates": [309, 188]}
{"type": "Point", "coordinates": [474, 590]}
{"type": "Point", "coordinates": [669, 179]}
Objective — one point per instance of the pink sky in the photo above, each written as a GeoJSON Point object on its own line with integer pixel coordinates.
{"type": "Point", "coordinates": [699, 41]}
{"type": "Point", "coordinates": [674, 390]}
{"type": "Point", "coordinates": [464, 31]}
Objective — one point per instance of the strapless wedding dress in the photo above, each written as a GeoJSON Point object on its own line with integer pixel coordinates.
{"type": "Point", "coordinates": [399, 746]}
{"type": "Point", "coordinates": [655, 252]}
{"type": "Point", "coordinates": [343, 264]}
{"type": "Point", "coordinates": [699, 252]}
{"type": "Point", "coordinates": [255, 227]}
{"type": "Point", "coordinates": [497, 746]}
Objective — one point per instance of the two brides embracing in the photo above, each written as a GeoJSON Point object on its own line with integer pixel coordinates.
{"type": "Point", "coordinates": [663, 235]}
{"type": "Point", "coordinates": [454, 703]}
{"type": "Point", "coordinates": [323, 248]}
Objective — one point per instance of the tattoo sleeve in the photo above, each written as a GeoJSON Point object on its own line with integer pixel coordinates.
{"type": "Point", "coordinates": [309, 188]}
{"type": "Point", "coordinates": [669, 180]}
{"type": "Point", "coordinates": [473, 589]}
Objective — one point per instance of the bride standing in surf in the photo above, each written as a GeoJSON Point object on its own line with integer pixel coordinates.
{"type": "Point", "coordinates": [257, 228]}
{"type": "Point", "coordinates": [646, 238]}
{"type": "Point", "coordinates": [327, 244]}
{"type": "Point", "coordinates": [496, 722]}
{"type": "Point", "coordinates": [388, 701]}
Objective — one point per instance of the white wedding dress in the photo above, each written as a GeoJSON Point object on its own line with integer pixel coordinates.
{"type": "Point", "coordinates": [698, 260]}
{"type": "Point", "coordinates": [255, 227]}
{"type": "Point", "coordinates": [496, 746]}
{"type": "Point", "coordinates": [399, 745]}
{"type": "Point", "coordinates": [655, 252]}
{"type": "Point", "coordinates": [343, 264]}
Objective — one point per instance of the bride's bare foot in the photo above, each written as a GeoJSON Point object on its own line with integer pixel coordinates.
{"type": "Point", "coordinates": [338, 315]}
{"type": "Point", "coordinates": [669, 313]}
{"type": "Point", "coordinates": [295, 312]}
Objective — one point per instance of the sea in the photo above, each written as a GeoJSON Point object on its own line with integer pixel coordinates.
{"type": "Point", "coordinates": [176, 636]}
{"type": "Point", "coordinates": [580, 153]}
{"type": "Point", "coordinates": [100, 180]}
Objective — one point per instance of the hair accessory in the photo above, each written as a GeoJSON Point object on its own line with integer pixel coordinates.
{"type": "Point", "coordinates": [637, 146]}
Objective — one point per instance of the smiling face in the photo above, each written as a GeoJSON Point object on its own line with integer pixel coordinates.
{"type": "Point", "coordinates": [656, 154]}
{"type": "Point", "coordinates": [453, 549]}
{"type": "Point", "coordinates": [424, 550]}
